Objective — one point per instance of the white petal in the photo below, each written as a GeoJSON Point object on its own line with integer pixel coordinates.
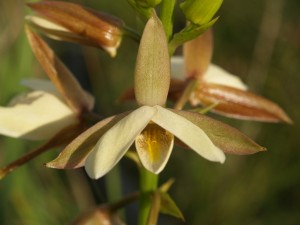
{"type": "Point", "coordinates": [36, 115]}
{"type": "Point", "coordinates": [44, 23]}
{"type": "Point", "coordinates": [177, 67]}
{"type": "Point", "coordinates": [115, 142]}
{"type": "Point", "coordinates": [154, 146]}
{"type": "Point", "coordinates": [189, 133]}
{"type": "Point", "coordinates": [47, 86]}
{"type": "Point", "coordinates": [217, 75]}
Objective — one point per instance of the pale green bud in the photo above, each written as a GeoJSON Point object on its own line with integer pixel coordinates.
{"type": "Point", "coordinates": [200, 12]}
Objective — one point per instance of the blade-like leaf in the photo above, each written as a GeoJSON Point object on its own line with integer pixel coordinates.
{"type": "Point", "coordinates": [152, 71]}
{"type": "Point", "coordinates": [60, 75]}
{"type": "Point", "coordinates": [227, 138]}
{"type": "Point", "coordinates": [240, 104]}
{"type": "Point", "coordinates": [189, 33]}
{"type": "Point", "coordinates": [169, 207]}
{"type": "Point", "coordinates": [75, 154]}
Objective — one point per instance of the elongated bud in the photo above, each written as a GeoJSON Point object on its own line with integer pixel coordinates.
{"type": "Point", "coordinates": [197, 55]}
{"type": "Point", "coordinates": [239, 104]}
{"type": "Point", "coordinates": [200, 12]}
{"type": "Point", "coordinates": [82, 25]}
{"type": "Point", "coordinates": [152, 71]}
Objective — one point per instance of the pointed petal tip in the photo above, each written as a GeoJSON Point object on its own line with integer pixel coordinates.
{"type": "Point", "coordinates": [222, 158]}
{"type": "Point", "coordinates": [189, 133]}
{"type": "Point", "coordinates": [262, 149]}
{"type": "Point", "coordinates": [92, 169]}
{"type": "Point", "coordinates": [287, 119]}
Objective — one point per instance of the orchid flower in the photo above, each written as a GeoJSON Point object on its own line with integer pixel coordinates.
{"type": "Point", "coordinates": [49, 107]}
{"type": "Point", "coordinates": [217, 86]}
{"type": "Point", "coordinates": [152, 128]}
{"type": "Point", "coordinates": [53, 111]}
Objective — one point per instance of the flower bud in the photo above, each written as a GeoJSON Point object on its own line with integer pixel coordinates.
{"type": "Point", "coordinates": [197, 55]}
{"type": "Point", "coordinates": [75, 23]}
{"type": "Point", "coordinates": [200, 12]}
{"type": "Point", "coordinates": [240, 104]}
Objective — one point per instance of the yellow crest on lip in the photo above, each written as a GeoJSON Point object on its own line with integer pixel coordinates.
{"type": "Point", "coordinates": [154, 145]}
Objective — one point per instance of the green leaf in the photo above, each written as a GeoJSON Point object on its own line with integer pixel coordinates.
{"type": "Point", "coordinates": [189, 33]}
{"type": "Point", "coordinates": [169, 207]}
{"type": "Point", "coordinates": [200, 11]}
{"type": "Point", "coordinates": [227, 138]}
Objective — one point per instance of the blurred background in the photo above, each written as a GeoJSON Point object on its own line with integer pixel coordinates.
{"type": "Point", "coordinates": [258, 40]}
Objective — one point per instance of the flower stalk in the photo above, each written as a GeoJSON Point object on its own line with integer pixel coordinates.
{"type": "Point", "coordinates": [166, 16]}
{"type": "Point", "coordinates": [148, 184]}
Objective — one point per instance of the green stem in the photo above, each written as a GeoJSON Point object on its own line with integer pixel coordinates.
{"type": "Point", "coordinates": [148, 183]}
{"type": "Point", "coordinates": [166, 16]}
{"type": "Point", "coordinates": [133, 34]}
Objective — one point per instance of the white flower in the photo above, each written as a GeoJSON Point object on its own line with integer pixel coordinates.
{"type": "Point", "coordinates": [152, 129]}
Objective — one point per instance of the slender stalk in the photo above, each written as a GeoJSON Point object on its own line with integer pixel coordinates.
{"type": "Point", "coordinates": [148, 183]}
{"type": "Point", "coordinates": [166, 16]}
{"type": "Point", "coordinates": [114, 184]}
{"type": "Point", "coordinates": [124, 202]}
{"type": "Point", "coordinates": [133, 34]}
{"type": "Point", "coordinates": [24, 159]}
{"type": "Point", "coordinates": [186, 94]}
{"type": "Point", "coordinates": [59, 139]}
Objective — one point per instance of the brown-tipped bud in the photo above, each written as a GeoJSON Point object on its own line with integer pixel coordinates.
{"type": "Point", "coordinates": [238, 103]}
{"type": "Point", "coordinates": [78, 24]}
{"type": "Point", "coordinates": [197, 55]}
{"type": "Point", "coordinates": [60, 75]}
{"type": "Point", "coordinates": [98, 216]}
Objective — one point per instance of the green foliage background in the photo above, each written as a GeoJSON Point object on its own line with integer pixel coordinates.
{"type": "Point", "coordinates": [249, 190]}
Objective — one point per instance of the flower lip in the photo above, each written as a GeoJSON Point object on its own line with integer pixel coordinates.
{"type": "Point", "coordinates": [154, 146]}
